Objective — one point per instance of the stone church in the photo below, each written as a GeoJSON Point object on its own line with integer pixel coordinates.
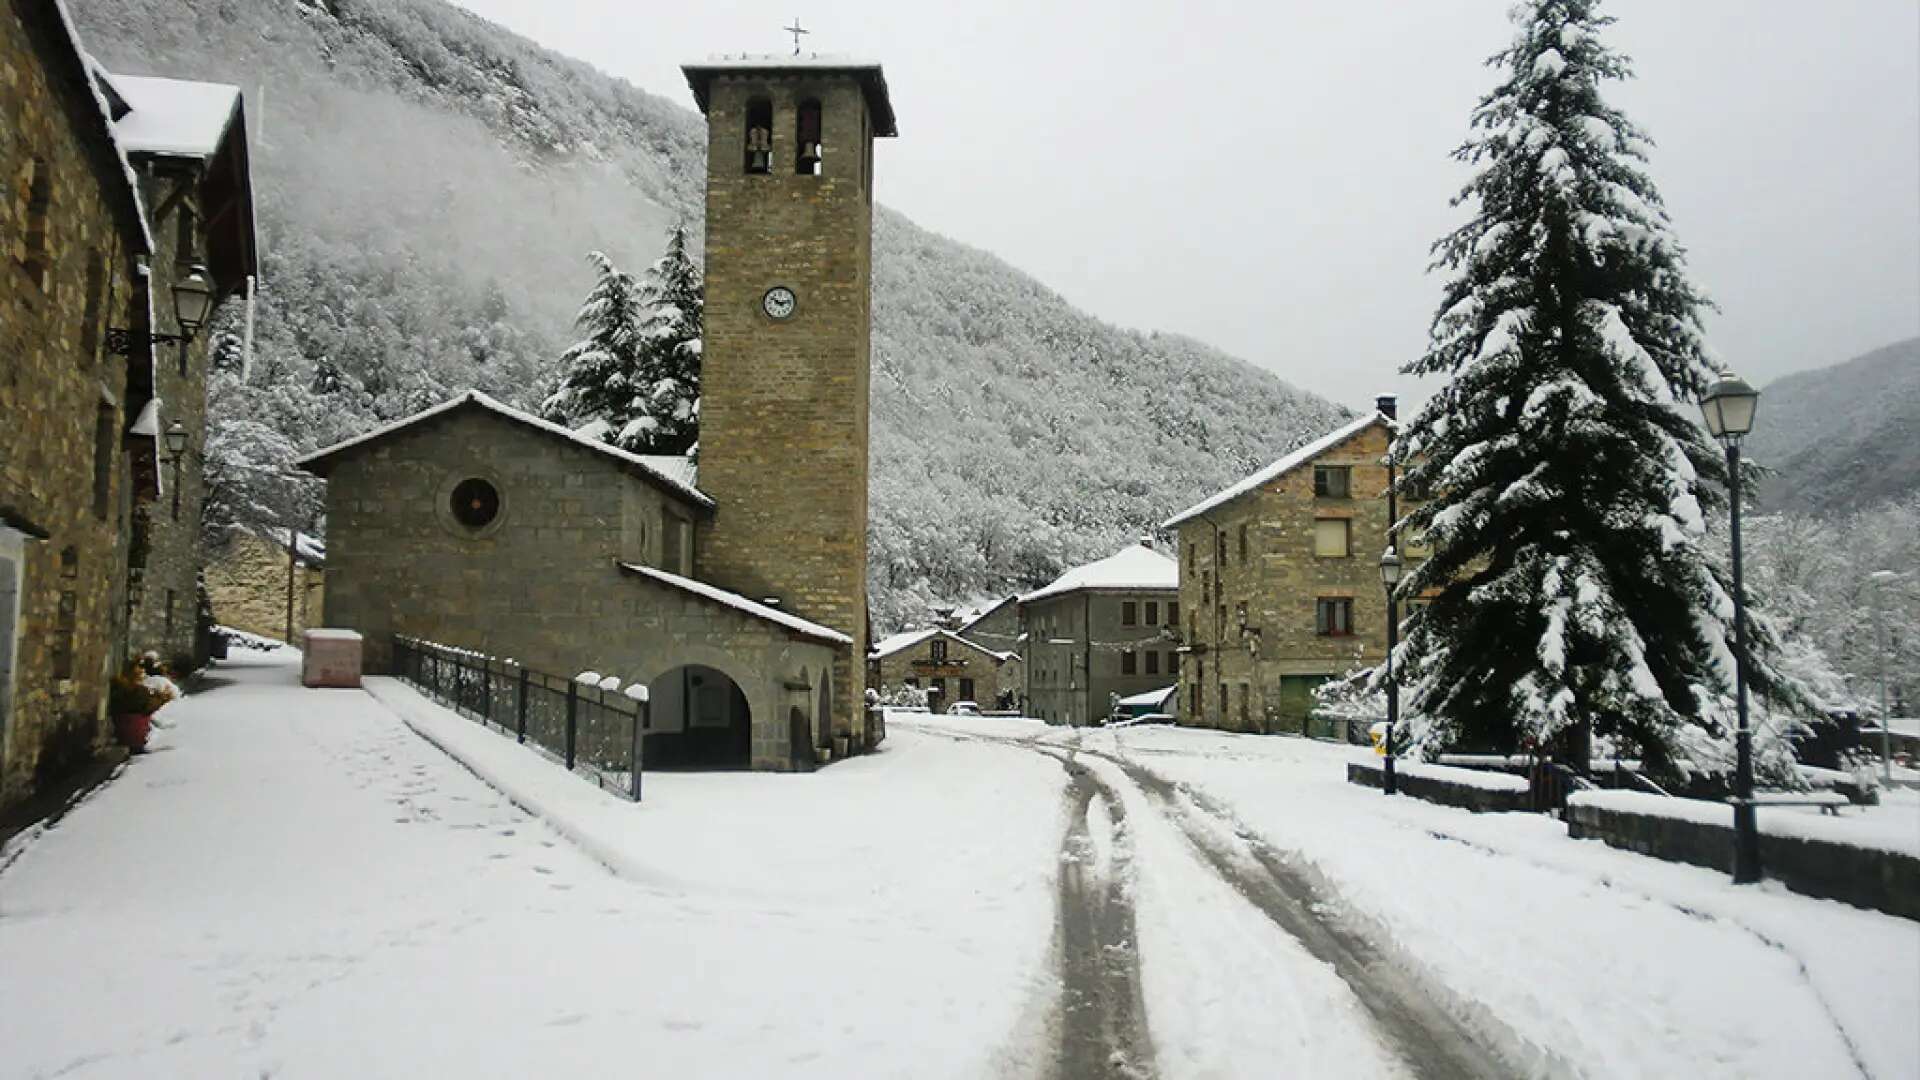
{"type": "Point", "coordinates": [737, 594]}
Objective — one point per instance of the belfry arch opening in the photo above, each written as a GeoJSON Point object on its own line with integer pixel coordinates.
{"type": "Point", "coordinates": [699, 720]}
{"type": "Point", "coordinates": [806, 130]}
{"type": "Point", "coordinates": [759, 136]}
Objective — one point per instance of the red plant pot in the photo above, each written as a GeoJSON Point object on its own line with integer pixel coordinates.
{"type": "Point", "coordinates": [133, 729]}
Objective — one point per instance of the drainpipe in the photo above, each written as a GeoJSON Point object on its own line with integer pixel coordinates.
{"type": "Point", "coordinates": [1086, 646]}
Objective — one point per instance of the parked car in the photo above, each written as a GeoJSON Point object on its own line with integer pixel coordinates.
{"type": "Point", "coordinates": [963, 708]}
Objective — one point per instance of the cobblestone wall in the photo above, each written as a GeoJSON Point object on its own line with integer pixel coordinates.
{"type": "Point", "coordinates": [67, 271]}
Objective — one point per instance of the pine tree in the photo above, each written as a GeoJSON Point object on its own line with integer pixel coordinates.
{"type": "Point", "coordinates": [1568, 481]}
{"type": "Point", "coordinates": [601, 374]}
{"type": "Point", "coordinates": [637, 372]}
{"type": "Point", "coordinates": [667, 413]}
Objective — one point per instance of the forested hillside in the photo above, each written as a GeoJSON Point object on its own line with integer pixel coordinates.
{"type": "Point", "coordinates": [1844, 438]}
{"type": "Point", "coordinates": [429, 185]}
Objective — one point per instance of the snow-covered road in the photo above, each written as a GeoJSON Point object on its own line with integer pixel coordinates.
{"type": "Point", "coordinates": [296, 883]}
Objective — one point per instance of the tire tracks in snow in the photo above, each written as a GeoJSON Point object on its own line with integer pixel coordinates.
{"type": "Point", "coordinates": [1403, 1005]}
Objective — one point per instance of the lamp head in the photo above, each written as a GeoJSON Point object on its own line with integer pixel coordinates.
{"type": "Point", "coordinates": [176, 439]}
{"type": "Point", "coordinates": [1390, 568]}
{"type": "Point", "coordinates": [193, 300]}
{"type": "Point", "coordinates": [1729, 406]}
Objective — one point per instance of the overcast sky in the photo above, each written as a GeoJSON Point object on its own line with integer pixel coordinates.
{"type": "Point", "coordinates": [1267, 176]}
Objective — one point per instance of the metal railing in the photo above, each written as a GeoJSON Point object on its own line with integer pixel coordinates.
{"type": "Point", "coordinates": [595, 732]}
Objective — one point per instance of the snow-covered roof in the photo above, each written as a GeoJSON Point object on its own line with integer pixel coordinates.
{"type": "Point", "coordinates": [320, 461]}
{"type": "Point", "coordinates": [311, 549]}
{"type": "Point", "coordinates": [907, 639]}
{"type": "Point", "coordinates": [1152, 699]}
{"type": "Point", "coordinates": [739, 603]}
{"type": "Point", "coordinates": [968, 616]}
{"type": "Point", "coordinates": [138, 214]}
{"type": "Point", "coordinates": [1136, 566]}
{"type": "Point", "coordinates": [174, 117]}
{"type": "Point", "coordinates": [677, 467]}
{"type": "Point", "coordinates": [873, 82]}
{"type": "Point", "coordinates": [1279, 468]}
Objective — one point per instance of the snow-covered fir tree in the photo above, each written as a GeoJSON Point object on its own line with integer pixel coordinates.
{"type": "Point", "coordinates": [1568, 483]}
{"type": "Point", "coordinates": [637, 371]}
{"type": "Point", "coordinates": [668, 421]}
{"type": "Point", "coordinates": [600, 376]}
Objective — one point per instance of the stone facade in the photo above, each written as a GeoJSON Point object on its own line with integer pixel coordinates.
{"type": "Point", "coordinates": [70, 241]}
{"type": "Point", "coordinates": [247, 585]}
{"type": "Point", "coordinates": [997, 627]}
{"type": "Point", "coordinates": [784, 401]}
{"type": "Point", "coordinates": [166, 555]}
{"type": "Point", "coordinates": [1251, 584]}
{"type": "Point", "coordinates": [543, 581]}
{"type": "Point", "coordinates": [1080, 645]}
{"type": "Point", "coordinates": [958, 668]}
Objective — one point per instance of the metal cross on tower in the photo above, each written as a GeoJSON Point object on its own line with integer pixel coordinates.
{"type": "Point", "coordinates": [796, 30]}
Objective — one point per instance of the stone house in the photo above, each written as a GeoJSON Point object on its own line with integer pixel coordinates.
{"type": "Point", "coordinates": [187, 144]}
{"type": "Point", "coordinates": [1280, 581]}
{"type": "Point", "coordinates": [248, 582]}
{"type": "Point", "coordinates": [949, 666]}
{"type": "Point", "coordinates": [994, 626]}
{"type": "Point", "coordinates": [478, 525]}
{"type": "Point", "coordinates": [79, 445]}
{"type": "Point", "coordinates": [1099, 632]}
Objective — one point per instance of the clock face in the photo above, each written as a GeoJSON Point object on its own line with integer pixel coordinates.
{"type": "Point", "coordinates": [778, 302]}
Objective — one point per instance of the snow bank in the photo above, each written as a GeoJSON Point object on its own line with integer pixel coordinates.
{"type": "Point", "coordinates": [1474, 778]}
{"type": "Point", "coordinates": [1874, 828]}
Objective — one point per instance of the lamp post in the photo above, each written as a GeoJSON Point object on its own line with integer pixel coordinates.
{"type": "Point", "coordinates": [1390, 568]}
{"type": "Point", "coordinates": [176, 439]}
{"type": "Point", "coordinates": [1884, 578]}
{"type": "Point", "coordinates": [1729, 405]}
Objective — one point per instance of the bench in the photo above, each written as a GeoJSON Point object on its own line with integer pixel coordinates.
{"type": "Point", "coordinates": [1829, 802]}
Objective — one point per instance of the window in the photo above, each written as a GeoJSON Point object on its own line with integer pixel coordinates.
{"type": "Point", "coordinates": [475, 502]}
{"type": "Point", "coordinates": [966, 690]}
{"type": "Point", "coordinates": [1206, 585]}
{"type": "Point", "coordinates": [1153, 613]}
{"type": "Point", "coordinates": [1332, 537]}
{"type": "Point", "coordinates": [1332, 481]}
{"type": "Point", "coordinates": [938, 685]}
{"type": "Point", "coordinates": [183, 240]}
{"type": "Point", "coordinates": [1129, 663]}
{"type": "Point", "coordinates": [1173, 613]}
{"type": "Point", "coordinates": [96, 288]}
{"type": "Point", "coordinates": [937, 649]}
{"type": "Point", "coordinates": [1190, 559]}
{"type": "Point", "coordinates": [1333, 617]}
{"type": "Point", "coordinates": [807, 133]}
{"type": "Point", "coordinates": [39, 198]}
{"type": "Point", "coordinates": [1243, 705]}
{"type": "Point", "coordinates": [1219, 549]}
{"type": "Point", "coordinates": [103, 440]}
{"type": "Point", "coordinates": [1153, 661]}
{"type": "Point", "coordinates": [913, 680]}
{"type": "Point", "coordinates": [1129, 613]}
{"type": "Point", "coordinates": [170, 594]}
{"type": "Point", "coordinates": [1243, 543]}
{"type": "Point", "coordinates": [759, 136]}
{"type": "Point", "coordinates": [1173, 661]}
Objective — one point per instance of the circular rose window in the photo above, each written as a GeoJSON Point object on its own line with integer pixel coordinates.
{"type": "Point", "coordinates": [475, 503]}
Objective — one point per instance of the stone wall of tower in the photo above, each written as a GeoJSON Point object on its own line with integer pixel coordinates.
{"type": "Point", "coordinates": [784, 403]}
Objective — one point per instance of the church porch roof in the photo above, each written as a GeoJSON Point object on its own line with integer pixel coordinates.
{"type": "Point", "coordinates": [714, 594]}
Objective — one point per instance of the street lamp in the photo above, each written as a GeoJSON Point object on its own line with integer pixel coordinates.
{"type": "Point", "coordinates": [176, 438]}
{"type": "Point", "coordinates": [1882, 579]}
{"type": "Point", "coordinates": [1390, 569]}
{"type": "Point", "coordinates": [1729, 405]}
{"type": "Point", "coordinates": [192, 301]}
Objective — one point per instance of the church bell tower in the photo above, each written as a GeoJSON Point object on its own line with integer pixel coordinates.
{"type": "Point", "coordinates": [788, 328]}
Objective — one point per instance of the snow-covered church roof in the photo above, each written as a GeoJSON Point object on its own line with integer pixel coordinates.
{"type": "Point", "coordinates": [174, 117]}
{"type": "Point", "coordinates": [1279, 468]}
{"type": "Point", "coordinates": [1136, 566]}
{"type": "Point", "coordinates": [321, 461]}
{"type": "Point", "coordinates": [753, 608]}
{"type": "Point", "coordinates": [907, 639]}
{"type": "Point", "coordinates": [873, 82]}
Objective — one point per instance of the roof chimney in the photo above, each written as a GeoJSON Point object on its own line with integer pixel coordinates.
{"type": "Point", "coordinates": [1147, 542]}
{"type": "Point", "coordinates": [1386, 404]}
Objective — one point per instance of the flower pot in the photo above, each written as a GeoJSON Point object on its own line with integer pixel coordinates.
{"type": "Point", "coordinates": [839, 747]}
{"type": "Point", "coordinates": [132, 729]}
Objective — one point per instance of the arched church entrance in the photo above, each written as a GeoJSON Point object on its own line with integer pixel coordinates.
{"type": "Point", "coordinates": [700, 720]}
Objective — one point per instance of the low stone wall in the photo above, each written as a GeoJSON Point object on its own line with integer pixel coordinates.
{"type": "Point", "coordinates": [1885, 881]}
{"type": "Point", "coordinates": [1421, 783]}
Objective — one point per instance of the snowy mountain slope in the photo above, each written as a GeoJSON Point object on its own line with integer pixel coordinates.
{"type": "Point", "coordinates": [1845, 437]}
{"type": "Point", "coordinates": [430, 184]}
